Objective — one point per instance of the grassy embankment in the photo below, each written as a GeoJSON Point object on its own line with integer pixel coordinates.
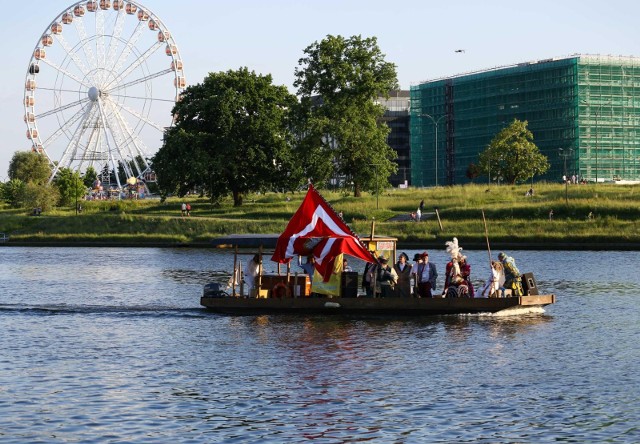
{"type": "Point", "coordinates": [512, 218]}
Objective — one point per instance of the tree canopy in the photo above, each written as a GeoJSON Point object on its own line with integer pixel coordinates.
{"type": "Point", "coordinates": [29, 167]}
{"type": "Point", "coordinates": [233, 135]}
{"type": "Point", "coordinates": [512, 155]}
{"type": "Point", "coordinates": [339, 80]}
{"type": "Point", "coordinates": [70, 186]}
{"type": "Point", "coordinates": [29, 186]}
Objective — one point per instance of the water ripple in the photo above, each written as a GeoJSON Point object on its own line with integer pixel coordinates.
{"type": "Point", "coordinates": [107, 356]}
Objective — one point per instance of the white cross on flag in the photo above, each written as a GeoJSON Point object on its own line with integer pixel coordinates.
{"type": "Point", "coordinates": [315, 229]}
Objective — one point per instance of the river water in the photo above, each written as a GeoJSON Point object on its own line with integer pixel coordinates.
{"type": "Point", "coordinates": [111, 345]}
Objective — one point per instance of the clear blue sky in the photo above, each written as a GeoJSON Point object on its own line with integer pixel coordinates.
{"type": "Point", "coordinates": [419, 36]}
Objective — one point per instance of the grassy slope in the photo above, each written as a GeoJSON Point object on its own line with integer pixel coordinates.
{"type": "Point", "coordinates": [511, 217]}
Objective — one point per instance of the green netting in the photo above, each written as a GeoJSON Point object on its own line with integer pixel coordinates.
{"type": "Point", "coordinates": [585, 106]}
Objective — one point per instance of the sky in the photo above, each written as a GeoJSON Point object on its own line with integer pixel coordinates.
{"type": "Point", "coordinates": [419, 36]}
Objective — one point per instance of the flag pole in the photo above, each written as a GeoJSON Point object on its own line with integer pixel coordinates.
{"type": "Point", "coordinates": [235, 272]}
{"type": "Point", "coordinates": [486, 235]}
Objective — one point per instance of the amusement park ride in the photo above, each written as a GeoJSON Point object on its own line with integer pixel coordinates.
{"type": "Point", "coordinates": [100, 88]}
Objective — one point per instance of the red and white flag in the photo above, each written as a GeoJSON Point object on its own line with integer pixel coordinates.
{"type": "Point", "coordinates": [315, 229]}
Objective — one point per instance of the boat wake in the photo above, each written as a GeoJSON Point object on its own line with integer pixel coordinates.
{"type": "Point", "coordinates": [63, 309]}
{"type": "Point", "coordinates": [520, 311]}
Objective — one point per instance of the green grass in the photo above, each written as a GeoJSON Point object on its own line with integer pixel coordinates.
{"type": "Point", "coordinates": [511, 217]}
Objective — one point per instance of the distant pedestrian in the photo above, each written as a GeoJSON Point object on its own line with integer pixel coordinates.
{"type": "Point", "coordinates": [188, 209]}
{"type": "Point", "coordinates": [418, 215]}
{"type": "Point", "coordinates": [551, 214]}
{"type": "Point", "coordinates": [183, 208]}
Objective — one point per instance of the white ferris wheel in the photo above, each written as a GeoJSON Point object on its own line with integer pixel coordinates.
{"type": "Point", "coordinates": [100, 86]}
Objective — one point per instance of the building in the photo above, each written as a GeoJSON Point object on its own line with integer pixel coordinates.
{"type": "Point", "coordinates": [583, 111]}
{"type": "Point", "coordinates": [396, 116]}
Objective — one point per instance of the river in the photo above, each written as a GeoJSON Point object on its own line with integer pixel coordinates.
{"type": "Point", "coordinates": [111, 345]}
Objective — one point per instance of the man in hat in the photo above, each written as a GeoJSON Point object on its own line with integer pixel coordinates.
{"type": "Point", "coordinates": [426, 275]}
{"type": "Point", "coordinates": [403, 270]}
{"type": "Point", "coordinates": [512, 279]}
{"type": "Point", "coordinates": [386, 278]}
{"type": "Point", "coordinates": [369, 277]}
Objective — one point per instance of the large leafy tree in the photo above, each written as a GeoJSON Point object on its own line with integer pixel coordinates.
{"type": "Point", "coordinates": [338, 81]}
{"type": "Point", "coordinates": [70, 186]}
{"type": "Point", "coordinates": [232, 135]}
{"type": "Point", "coordinates": [512, 155]}
{"type": "Point", "coordinates": [29, 166]}
{"type": "Point", "coordinates": [29, 173]}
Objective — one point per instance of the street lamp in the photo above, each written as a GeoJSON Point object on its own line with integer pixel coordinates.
{"type": "Point", "coordinates": [375, 165]}
{"type": "Point", "coordinates": [564, 154]}
{"type": "Point", "coordinates": [597, 114]}
{"type": "Point", "coordinates": [435, 122]}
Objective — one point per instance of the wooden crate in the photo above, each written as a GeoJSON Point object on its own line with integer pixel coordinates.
{"type": "Point", "coordinates": [297, 286]}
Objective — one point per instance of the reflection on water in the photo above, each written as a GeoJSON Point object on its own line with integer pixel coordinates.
{"type": "Point", "coordinates": [111, 345]}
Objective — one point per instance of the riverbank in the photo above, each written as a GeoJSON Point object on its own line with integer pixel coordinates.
{"type": "Point", "coordinates": [584, 217]}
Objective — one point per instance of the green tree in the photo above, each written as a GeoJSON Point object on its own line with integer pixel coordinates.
{"type": "Point", "coordinates": [232, 135]}
{"type": "Point", "coordinates": [29, 173]}
{"type": "Point", "coordinates": [44, 196]}
{"type": "Point", "coordinates": [90, 176]}
{"type": "Point", "coordinates": [339, 81]}
{"type": "Point", "coordinates": [512, 155]}
{"type": "Point", "coordinates": [70, 186]}
{"type": "Point", "coordinates": [13, 191]}
{"type": "Point", "coordinates": [29, 166]}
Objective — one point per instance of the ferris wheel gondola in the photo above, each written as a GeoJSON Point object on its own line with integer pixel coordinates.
{"type": "Point", "coordinates": [100, 88]}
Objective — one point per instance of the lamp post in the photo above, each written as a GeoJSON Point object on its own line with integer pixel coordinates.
{"type": "Point", "coordinates": [375, 165]}
{"type": "Point", "coordinates": [597, 113]}
{"type": "Point", "coordinates": [75, 192]}
{"type": "Point", "coordinates": [377, 192]}
{"type": "Point", "coordinates": [564, 154]}
{"type": "Point", "coordinates": [435, 122]}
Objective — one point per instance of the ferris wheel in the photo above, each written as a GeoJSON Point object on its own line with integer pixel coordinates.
{"type": "Point", "coordinates": [100, 87]}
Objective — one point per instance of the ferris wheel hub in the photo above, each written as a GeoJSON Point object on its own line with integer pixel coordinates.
{"type": "Point", "coordinates": [93, 93]}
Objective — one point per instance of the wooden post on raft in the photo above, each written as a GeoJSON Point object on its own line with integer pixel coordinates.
{"type": "Point", "coordinates": [259, 271]}
{"type": "Point", "coordinates": [235, 273]}
{"type": "Point", "coordinates": [486, 235]}
{"type": "Point", "coordinates": [439, 221]}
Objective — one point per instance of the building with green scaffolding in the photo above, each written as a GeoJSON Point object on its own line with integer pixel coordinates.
{"type": "Point", "coordinates": [583, 111]}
